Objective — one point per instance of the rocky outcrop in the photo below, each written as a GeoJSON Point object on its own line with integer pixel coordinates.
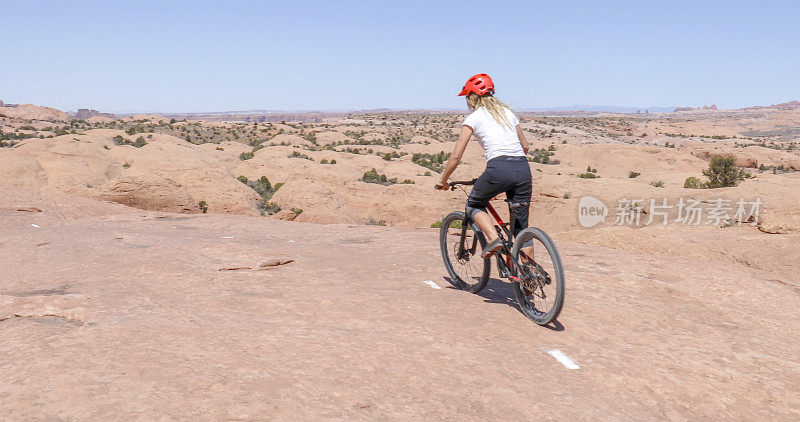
{"type": "Point", "coordinates": [167, 174]}
{"type": "Point", "coordinates": [32, 112]}
{"type": "Point", "coordinates": [86, 114]}
{"type": "Point", "coordinates": [790, 105]}
{"type": "Point", "coordinates": [712, 107]}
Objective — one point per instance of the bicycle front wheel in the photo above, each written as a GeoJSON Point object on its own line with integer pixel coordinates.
{"type": "Point", "coordinates": [461, 251]}
{"type": "Point", "coordinates": [540, 290]}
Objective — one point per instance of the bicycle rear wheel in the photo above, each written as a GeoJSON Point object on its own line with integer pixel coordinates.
{"type": "Point", "coordinates": [540, 291]}
{"type": "Point", "coordinates": [467, 270]}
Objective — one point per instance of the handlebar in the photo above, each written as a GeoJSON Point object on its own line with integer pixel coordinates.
{"type": "Point", "coordinates": [453, 185]}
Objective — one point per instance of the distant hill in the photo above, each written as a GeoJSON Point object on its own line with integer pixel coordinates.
{"type": "Point", "coordinates": [605, 109]}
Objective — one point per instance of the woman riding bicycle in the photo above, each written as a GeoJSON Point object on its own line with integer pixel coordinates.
{"type": "Point", "coordinates": [497, 130]}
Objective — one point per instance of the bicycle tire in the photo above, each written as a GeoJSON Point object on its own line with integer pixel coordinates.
{"type": "Point", "coordinates": [448, 247]}
{"type": "Point", "coordinates": [530, 311]}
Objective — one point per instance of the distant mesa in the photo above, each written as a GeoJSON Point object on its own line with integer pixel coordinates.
{"type": "Point", "coordinates": [712, 107]}
{"type": "Point", "coordinates": [86, 114]}
{"type": "Point", "coordinates": [791, 105]}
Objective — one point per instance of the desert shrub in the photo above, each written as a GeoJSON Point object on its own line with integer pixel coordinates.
{"type": "Point", "coordinates": [373, 222]}
{"type": "Point", "coordinates": [138, 143]}
{"type": "Point", "coordinates": [588, 175]}
{"type": "Point", "coordinates": [297, 211]}
{"type": "Point", "coordinates": [333, 161]}
{"type": "Point", "coordinates": [265, 189]}
{"type": "Point", "coordinates": [722, 172]}
{"type": "Point", "coordinates": [438, 223]}
{"type": "Point", "coordinates": [407, 182]}
{"type": "Point", "coordinates": [310, 137]}
{"type": "Point", "coordinates": [219, 149]}
{"type": "Point", "coordinates": [373, 176]}
{"type": "Point", "coordinates": [324, 161]}
{"type": "Point", "coordinates": [692, 183]}
{"type": "Point", "coordinates": [657, 183]}
{"type": "Point", "coordinates": [246, 156]}
{"type": "Point", "coordinates": [431, 161]}
{"type": "Point", "coordinates": [633, 174]}
{"type": "Point", "coordinates": [541, 155]}
{"type": "Point", "coordinates": [296, 154]}
{"type": "Point", "coordinates": [268, 208]}
{"type": "Point", "coordinates": [203, 206]}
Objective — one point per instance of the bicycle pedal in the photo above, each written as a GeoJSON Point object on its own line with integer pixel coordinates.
{"type": "Point", "coordinates": [514, 279]}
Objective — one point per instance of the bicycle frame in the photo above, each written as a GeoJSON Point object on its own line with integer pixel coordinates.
{"type": "Point", "coordinates": [504, 255]}
{"type": "Point", "coordinates": [507, 228]}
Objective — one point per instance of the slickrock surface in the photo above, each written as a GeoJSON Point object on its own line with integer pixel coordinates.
{"type": "Point", "coordinates": [108, 312]}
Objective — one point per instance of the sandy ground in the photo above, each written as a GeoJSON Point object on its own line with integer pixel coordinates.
{"type": "Point", "coordinates": [108, 312]}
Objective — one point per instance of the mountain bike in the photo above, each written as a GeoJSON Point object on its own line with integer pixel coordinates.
{"type": "Point", "coordinates": [538, 280]}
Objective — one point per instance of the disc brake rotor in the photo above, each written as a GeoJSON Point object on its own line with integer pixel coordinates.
{"type": "Point", "coordinates": [533, 279]}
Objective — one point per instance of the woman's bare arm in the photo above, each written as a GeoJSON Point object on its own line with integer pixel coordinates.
{"type": "Point", "coordinates": [522, 139]}
{"type": "Point", "coordinates": [458, 152]}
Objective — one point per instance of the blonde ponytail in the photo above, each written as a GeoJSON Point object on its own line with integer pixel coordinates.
{"type": "Point", "coordinates": [494, 106]}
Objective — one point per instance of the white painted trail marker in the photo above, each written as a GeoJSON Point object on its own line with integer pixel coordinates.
{"type": "Point", "coordinates": [563, 359]}
{"type": "Point", "coordinates": [35, 225]}
{"type": "Point", "coordinates": [432, 284]}
{"type": "Point", "coordinates": [226, 237]}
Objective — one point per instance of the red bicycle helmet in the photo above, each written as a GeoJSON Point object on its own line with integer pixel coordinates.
{"type": "Point", "coordinates": [480, 84]}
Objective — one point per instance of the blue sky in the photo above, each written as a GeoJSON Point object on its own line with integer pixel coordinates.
{"type": "Point", "coordinates": [314, 55]}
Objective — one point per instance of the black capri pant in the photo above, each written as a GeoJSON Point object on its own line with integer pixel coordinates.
{"type": "Point", "coordinates": [508, 174]}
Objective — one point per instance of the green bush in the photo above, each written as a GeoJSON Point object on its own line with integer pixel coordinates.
{"type": "Point", "coordinates": [265, 189]}
{"type": "Point", "coordinates": [588, 175]}
{"type": "Point", "coordinates": [633, 174]}
{"type": "Point", "coordinates": [138, 143]}
{"type": "Point", "coordinates": [373, 176]}
{"type": "Point", "coordinates": [203, 206]}
{"type": "Point", "coordinates": [541, 155]}
{"type": "Point", "coordinates": [246, 156]}
{"type": "Point", "coordinates": [692, 183]}
{"type": "Point", "coordinates": [373, 222]}
{"type": "Point", "coordinates": [268, 208]}
{"type": "Point", "coordinates": [296, 154]}
{"type": "Point", "coordinates": [438, 223]}
{"type": "Point", "coordinates": [722, 172]}
{"type": "Point", "coordinates": [657, 183]}
{"type": "Point", "coordinates": [431, 161]}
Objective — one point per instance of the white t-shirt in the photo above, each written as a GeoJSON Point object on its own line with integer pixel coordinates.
{"type": "Point", "coordinates": [496, 139]}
